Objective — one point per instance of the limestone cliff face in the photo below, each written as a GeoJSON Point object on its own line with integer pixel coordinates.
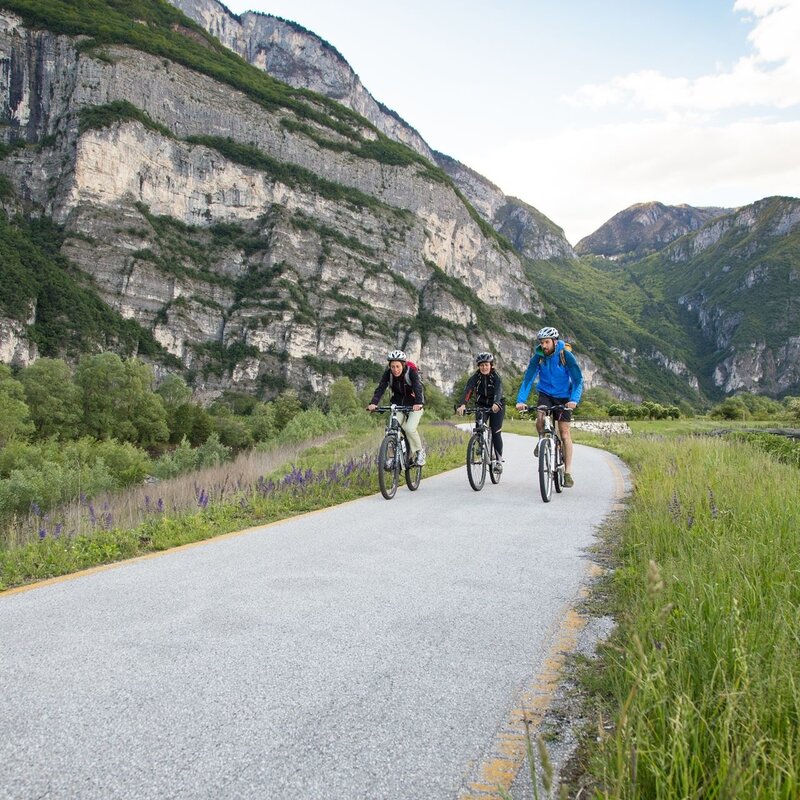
{"type": "Point", "coordinates": [740, 283]}
{"type": "Point", "coordinates": [296, 56]}
{"type": "Point", "coordinates": [291, 260]}
{"type": "Point", "coordinates": [530, 232]}
{"type": "Point", "coordinates": [300, 58]}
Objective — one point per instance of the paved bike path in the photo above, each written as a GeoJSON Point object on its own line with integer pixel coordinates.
{"type": "Point", "coordinates": [372, 650]}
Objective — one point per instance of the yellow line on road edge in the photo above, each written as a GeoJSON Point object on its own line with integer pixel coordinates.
{"type": "Point", "coordinates": [508, 751]}
{"type": "Point", "coordinates": [116, 564]}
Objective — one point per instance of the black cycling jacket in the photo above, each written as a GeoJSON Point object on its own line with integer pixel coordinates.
{"type": "Point", "coordinates": [406, 391]}
{"type": "Point", "coordinates": [487, 389]}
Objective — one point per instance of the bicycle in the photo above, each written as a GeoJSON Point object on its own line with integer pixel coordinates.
{"type": "Point", "coordinates": [481, 455]}
{"type": "Point", "coordinates": [551, 454]}
{"type": "Point", "coordinates": [394, 455]}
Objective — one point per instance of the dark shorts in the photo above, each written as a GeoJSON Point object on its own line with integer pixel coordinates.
{"type": "Point", "coordinates": [561, 416]}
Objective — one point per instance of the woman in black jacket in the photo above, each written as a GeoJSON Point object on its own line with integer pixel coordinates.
{"type": "Point", "coordinates": [486, 386]}
{"type": "Point", "coordinates": [406, 387]}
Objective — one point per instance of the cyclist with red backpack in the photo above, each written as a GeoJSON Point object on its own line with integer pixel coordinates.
{"type": "Point", "coordinates": [560, 383]}
{"type": "Point", "coordinates": [403, 379]}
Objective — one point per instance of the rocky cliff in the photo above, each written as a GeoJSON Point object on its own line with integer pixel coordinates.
{"type": "Point", "coordinates": [267, 238]}
{"type": "Point", "coordinates": [292, 54]}
{"type": "Point", "coordinates": [737, 278]}
{"type": "Point", "coordinates": [296, 56]}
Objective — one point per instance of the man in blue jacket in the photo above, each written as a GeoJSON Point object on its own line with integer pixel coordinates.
{"type": "Point", "coordinates": [560, 383]}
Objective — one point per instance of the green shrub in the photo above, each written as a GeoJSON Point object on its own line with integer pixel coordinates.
{"type": "Point", "coordinates": [212, 452]}
{"type": "Point", "coordinates": [308, 425]}
{"type": "Point", "coordinates": [180, 461]}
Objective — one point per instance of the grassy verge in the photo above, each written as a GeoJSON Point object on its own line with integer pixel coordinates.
{"type": "Point", "coordinates": [228, 500]}
{"type": "Point", "coordinates": [697, 694]}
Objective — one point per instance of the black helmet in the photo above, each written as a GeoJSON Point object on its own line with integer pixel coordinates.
{"type": "Point", "coordinates": [484, 358]}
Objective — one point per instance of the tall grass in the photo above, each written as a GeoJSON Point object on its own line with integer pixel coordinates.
{"type": "Point", "coordinates": [257, 488]}
{"type": "Point", "coordinates": [702, 678]}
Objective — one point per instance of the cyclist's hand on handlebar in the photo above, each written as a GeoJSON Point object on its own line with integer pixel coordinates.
{"type": "Point", "coordinates": [460, 410]}
{"type": "Point", "coordinates": [416, 407]}
{"type": "Point", "coordinates": [371, 407]}
{"type": "Point", "coordinates": [495, 408]}
{"type": "Point", "coordinates": [570, 405]}
{"type": "Point", "coordinates": [521, 407]}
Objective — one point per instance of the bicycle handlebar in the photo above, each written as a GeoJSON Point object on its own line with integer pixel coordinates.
{"type": "Point", "coordinates": [485, 409]}
{"type": "Point", "coordinates": [555, 407]}
{"type": "Point", "coordinates": [403, 409]}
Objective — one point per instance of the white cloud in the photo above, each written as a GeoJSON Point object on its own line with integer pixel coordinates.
{"type": "Point", "coordinates": [581, 178]}
{"type": "Point", "coordinates": [769, 76]}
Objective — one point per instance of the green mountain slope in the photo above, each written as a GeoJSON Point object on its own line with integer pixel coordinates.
{"type": "Point", "coordinates": [734, 288]}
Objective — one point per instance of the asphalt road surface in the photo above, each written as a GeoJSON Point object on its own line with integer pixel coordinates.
{"type": "Point", "coordinates": [371, 650]}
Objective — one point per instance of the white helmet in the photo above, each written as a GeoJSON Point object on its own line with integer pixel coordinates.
{"type": "Point", "coordinates": [397, 355]}
{"type": "Point", "coordinates": [547, 333]}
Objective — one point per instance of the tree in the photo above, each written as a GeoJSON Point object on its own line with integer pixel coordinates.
{"type": "Point", "coordinates": [192, 422]}
{"type": "Point", "coordinates": [262, 422]}
{"type": "Point", "coordinates": [287, 406]}
{"type": "Point", "coordinates": [342, 398]}
{"type": "Point", "coordinates": [792, 406]}
{"type": "Point", "coordinates": [15, 416]}
{"type": "Point", "coordinates": [174, 392]}
{"type": "Point", "coordinates": [232, 431]}
{"type": "Point", "coordinates": [53, 398]}
{"type": "Point", "coordinates": [118, 401]}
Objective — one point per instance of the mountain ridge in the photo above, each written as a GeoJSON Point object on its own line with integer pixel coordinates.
{"type": "Point", "coordinates": [644, 228]}
{"type": "Point", "coordinates": [264, 235]}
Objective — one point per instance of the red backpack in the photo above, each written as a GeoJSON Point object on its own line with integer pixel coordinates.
{"type": "Point", "coordinates": [411, 365]}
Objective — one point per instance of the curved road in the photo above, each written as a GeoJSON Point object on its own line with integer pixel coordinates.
{"type": "Point", "coordinates": [373, 650]}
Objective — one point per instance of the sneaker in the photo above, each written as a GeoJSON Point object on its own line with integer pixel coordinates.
{"type": "Point", "coordinates": [498, 467]}
{"type": "Point", "coordinates": [568, 482]}
{"type": "Point", "coordinates": [536, 450]}
{"type": "Point", "coordinates": [420, 457]}
{"type": "Point", "coordinates": [389, 465]}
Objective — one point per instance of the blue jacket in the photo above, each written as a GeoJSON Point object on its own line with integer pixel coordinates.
{"type": "Point", "coordinates": [555, 378]}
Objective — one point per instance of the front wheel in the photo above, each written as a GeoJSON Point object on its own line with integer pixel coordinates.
{"type": "Point", "coordinates": [495, 465]}
{"type": "Point", "coordinates": [388, 467]}
{"type": "Point", "coordinates": [413, 472]}
{"type": "Point", "coordinates": [546, 468]}
{"type": "Point", "coordinates": [558, 471]}
{"type": "Point", "coordinates": [476, 462]}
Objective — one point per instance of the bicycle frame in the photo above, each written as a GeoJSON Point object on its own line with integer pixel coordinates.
{"type": "Point", "coordinates": [394, 454]}
{"type": "Point", "coordinates": [551, 454]}
{"type": "Point", "coordinates": [480, 451]}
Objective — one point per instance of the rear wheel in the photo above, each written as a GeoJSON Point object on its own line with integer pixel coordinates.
{"type": "Point", "coordinates": [388, 467]}
{"type": "Point", "coordinates": [413, 473]}
{"type": "Point", "coordinates": [476, 462]}
{"type": "Point", "coordinates": [495, 465]}
{"type": "Point", "coordinates": [558, 472]}
{"type": "Point", "coordinates": [546, 468]}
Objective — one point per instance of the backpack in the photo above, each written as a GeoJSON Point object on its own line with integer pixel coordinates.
{"type": "Point", "coordinates": [412, 365]}
{"type": "Point", "coordinates": [561, 355]}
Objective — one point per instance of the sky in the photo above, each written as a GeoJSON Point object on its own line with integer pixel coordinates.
{"type": "Point", "coordinates": [582, 108]}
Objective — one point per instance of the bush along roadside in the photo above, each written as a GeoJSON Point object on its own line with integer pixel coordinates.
{"type": "Point", "coordinates": [315, 481]}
